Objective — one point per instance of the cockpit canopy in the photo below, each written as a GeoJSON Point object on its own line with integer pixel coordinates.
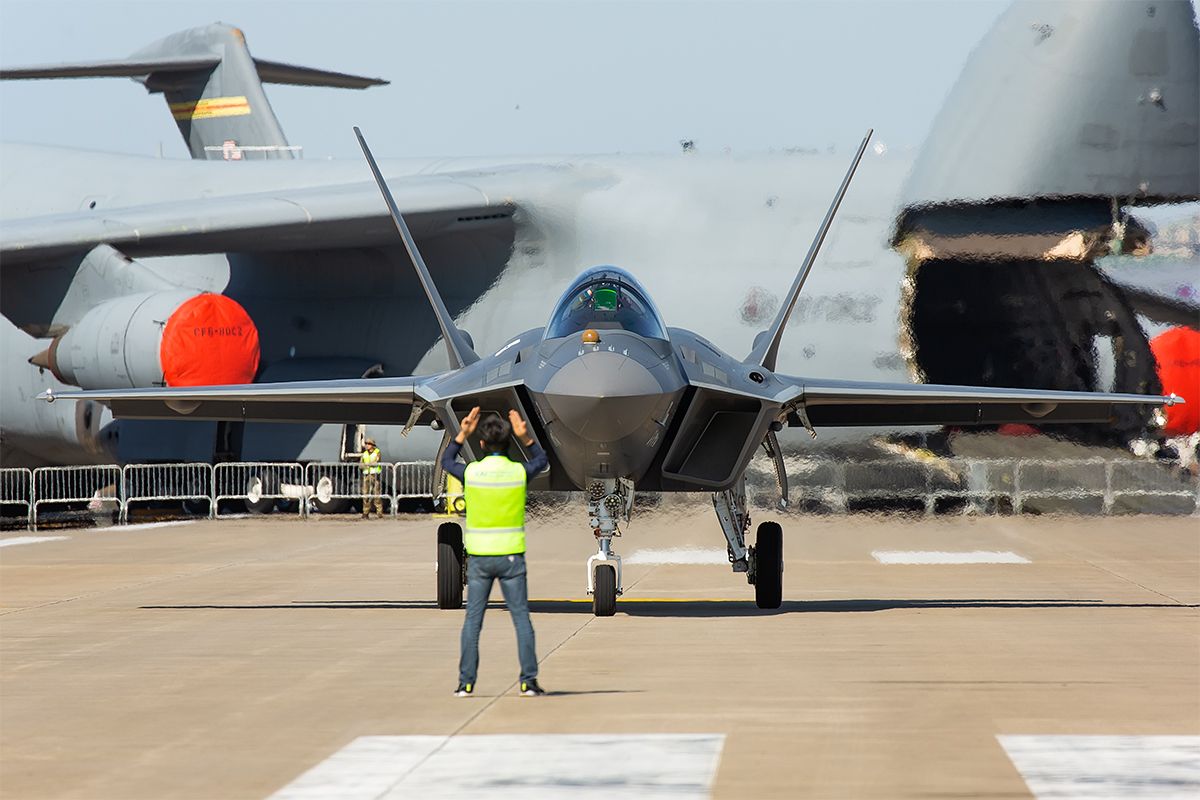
{"type": "Point", "coordinates": [605, 298]}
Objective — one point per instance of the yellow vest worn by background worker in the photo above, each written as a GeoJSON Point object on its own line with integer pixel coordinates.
{"type": "Point", "coordinates": [370, 462]}
{"type": "Point", "coordinates": [495, 493]}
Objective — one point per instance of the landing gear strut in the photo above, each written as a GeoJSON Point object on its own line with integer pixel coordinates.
{"type": "Point", "coordinates": [609, 501]}
{"type": "Point", "coordinates": [763, 562]}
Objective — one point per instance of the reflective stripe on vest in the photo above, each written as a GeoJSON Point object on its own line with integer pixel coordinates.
{"type": "Point", "coordinates": [495, 494]}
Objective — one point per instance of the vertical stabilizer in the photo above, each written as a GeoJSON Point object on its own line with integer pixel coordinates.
{"type": "Point", "coordinates": [213, 88]}
{"type": "Point", "coordinates": [221, 112]}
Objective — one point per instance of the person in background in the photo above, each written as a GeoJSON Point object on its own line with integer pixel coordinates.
{"type": "Point", "coordinates": [372, 472]}
{"type": "Point", "coordinates": [494, 488]}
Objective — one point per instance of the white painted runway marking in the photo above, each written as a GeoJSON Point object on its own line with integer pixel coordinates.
{"type": "Point", "coordinates": [679, 555]}
{"type": "Point", "coordinates": [942, 557]}
{"type": "Point", "coordinates": [1107, 767]}
{"type": "Point", "coordinates": [30, 540]}
{"type": "Point", "coordinates": [142, 526]}
{"type": "Point", "coordinates": [504, 767]}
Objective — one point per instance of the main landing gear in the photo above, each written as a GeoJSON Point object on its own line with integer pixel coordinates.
{"type": "Point", "coordinates": [762, 562]}
{"type": "Point", "coordinates": [609, 501]}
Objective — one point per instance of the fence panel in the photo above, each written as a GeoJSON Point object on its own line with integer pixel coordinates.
{"type": "Point", "coordinates": [1068, 485]}
{"type": "Point", "coordinates": [100, 486]}
{"type": "Point", "coordinates": [413, 479]}
{"type": "Point", "coordinates": [150, 482]}
{"type": "Point", "coordinates": [260, 484]}
{"type": "Point", "coordinates": [16, 489]}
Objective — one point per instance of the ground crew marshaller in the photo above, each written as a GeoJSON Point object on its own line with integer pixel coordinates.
{"type": "Point", "coordinates": [495, 538]}
{"type": "Point", "coordinates": [372, 471]}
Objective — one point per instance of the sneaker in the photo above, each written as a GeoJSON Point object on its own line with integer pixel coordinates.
{"type": "Point", "coordinates": [531, 689]}
{"type": "Point", "coordinates": [464, 690]}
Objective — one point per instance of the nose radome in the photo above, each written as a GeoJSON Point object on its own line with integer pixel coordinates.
{"type": "Point", "coordinates": [603, 396]}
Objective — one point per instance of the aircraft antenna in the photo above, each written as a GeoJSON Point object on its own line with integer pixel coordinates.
{"type": "Point", "coordinates": [766, 347]}
{"type": "Point", "coordinates": [460, 352]}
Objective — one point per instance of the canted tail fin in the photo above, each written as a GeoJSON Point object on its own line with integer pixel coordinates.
{"type": "Point", "coordinates": [213, 88]}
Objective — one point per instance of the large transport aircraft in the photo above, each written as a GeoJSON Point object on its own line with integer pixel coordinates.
{"type": "Point", "coordinates": [622, 403]}
{"type": "Point", "coordinates": [979, 262]}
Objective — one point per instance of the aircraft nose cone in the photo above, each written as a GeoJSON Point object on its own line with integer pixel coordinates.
{"type": "Point", "coordinates": [603, 396]}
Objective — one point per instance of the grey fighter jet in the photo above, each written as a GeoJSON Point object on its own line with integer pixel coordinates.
{"type": "Point", "coordinates": [622, 402]}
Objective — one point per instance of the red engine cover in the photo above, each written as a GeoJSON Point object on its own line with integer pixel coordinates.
{"type": "Point", "coordinates": [1178, 354]}
{"type": "Point", "coordinates": [210, 340]}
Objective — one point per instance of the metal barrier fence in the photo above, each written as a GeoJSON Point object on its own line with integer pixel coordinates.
{"type": "Point", "coordinates": [413, 479]}
{"type": "Point", "coordinates": [1095, 485]}
{"type": "Point", "coordinates": [155, 482]}
{"type": "Point", "coordinates": [16, 489]}
{"type": "Point", "coordinates": [1088, 486]}
{"type": "Point", "coordinates": [260, 484]}
{"type": "Point", "coordinates": [99, 486]}
{"type": "Point", "coordinates": [336, 484]}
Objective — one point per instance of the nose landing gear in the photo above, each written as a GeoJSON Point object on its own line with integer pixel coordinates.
{"type": "Point", "coordinates": [608, 501]}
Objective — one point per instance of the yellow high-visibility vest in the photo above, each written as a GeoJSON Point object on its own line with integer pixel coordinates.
{"type": "Point", "coordinates": [370, 461]}
{"type": "Point", "coordinates": [495, 493]}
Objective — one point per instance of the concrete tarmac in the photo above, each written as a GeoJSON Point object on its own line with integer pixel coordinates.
{"type": "Point", "coordinates": [224, 659]}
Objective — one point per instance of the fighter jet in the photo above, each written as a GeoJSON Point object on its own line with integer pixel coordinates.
{"type": "Point", "coordinates": [119, 271]}
{"type": "Point", "coordinates": [621, 403]}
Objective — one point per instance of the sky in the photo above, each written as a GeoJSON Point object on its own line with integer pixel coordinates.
{"type": "Point", "coordinates": [519, 78]}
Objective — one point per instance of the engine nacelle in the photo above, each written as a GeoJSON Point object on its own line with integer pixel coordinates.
{"type": "Point", "coordinates": [172, 338]}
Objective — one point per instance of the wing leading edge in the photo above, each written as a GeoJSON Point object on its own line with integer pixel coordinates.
{"type": "Point", "coordinates": [828, 402]}
{"type": "Point", "coordinates": [362, 400]}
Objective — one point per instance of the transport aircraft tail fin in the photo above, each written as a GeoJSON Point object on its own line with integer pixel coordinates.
{"type": "Point", "coordinates": [213, 88]}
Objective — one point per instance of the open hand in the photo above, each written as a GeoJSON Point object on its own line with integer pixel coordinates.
{"type": "Point", "coordinates": [467, 426]}
{"type": "Point", "coordinates": [519, 428]}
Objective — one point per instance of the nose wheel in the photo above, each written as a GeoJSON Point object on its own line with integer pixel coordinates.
{"type": "Point", "coordinates": [604, 590]}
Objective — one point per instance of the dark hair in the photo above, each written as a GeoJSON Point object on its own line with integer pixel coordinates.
{"type": "Point", "coordinates": [494, 432]}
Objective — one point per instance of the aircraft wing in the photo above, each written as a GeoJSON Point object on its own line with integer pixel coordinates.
{"type": "Point", "coordinates": [324, 217]}
{"type": "Point", "coordinates": [362, 400]}
{"type": "Point", "coordinates": [858, 403]}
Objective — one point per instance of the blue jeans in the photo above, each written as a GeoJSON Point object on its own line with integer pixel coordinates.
{"type": "Point", "coordinates": [510, 571]}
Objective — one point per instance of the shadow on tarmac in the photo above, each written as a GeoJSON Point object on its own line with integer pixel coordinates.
{"type": "Point", "coordinates": [699, 608]}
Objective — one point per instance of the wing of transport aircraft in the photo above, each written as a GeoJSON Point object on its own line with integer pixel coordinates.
{"type": "Point", "coordinates": [326, 217]}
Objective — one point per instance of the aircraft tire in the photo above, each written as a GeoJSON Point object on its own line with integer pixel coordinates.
{"type": "Point", "coordinates": [451, 561]}
{"type": "Point", "coordinates": [604, 594]}
{"type": "Point", "coordinates": [768, 552]}
{"type": "Point", "coordinates": [258, 485]}
{"type": "Point", "coordinates": [327, 485]}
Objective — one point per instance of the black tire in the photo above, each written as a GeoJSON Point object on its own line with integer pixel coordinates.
{"type": "Point", "coordinates": [450, 561]}
{"type": "Point", "coordinates": [256, 486]}
{"type": "Point", "coordinates": [768, 566]}
{"type": "Point", "coordinates": [326, 485]}
{"type": "Point", "coordinates": [604, 596]}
